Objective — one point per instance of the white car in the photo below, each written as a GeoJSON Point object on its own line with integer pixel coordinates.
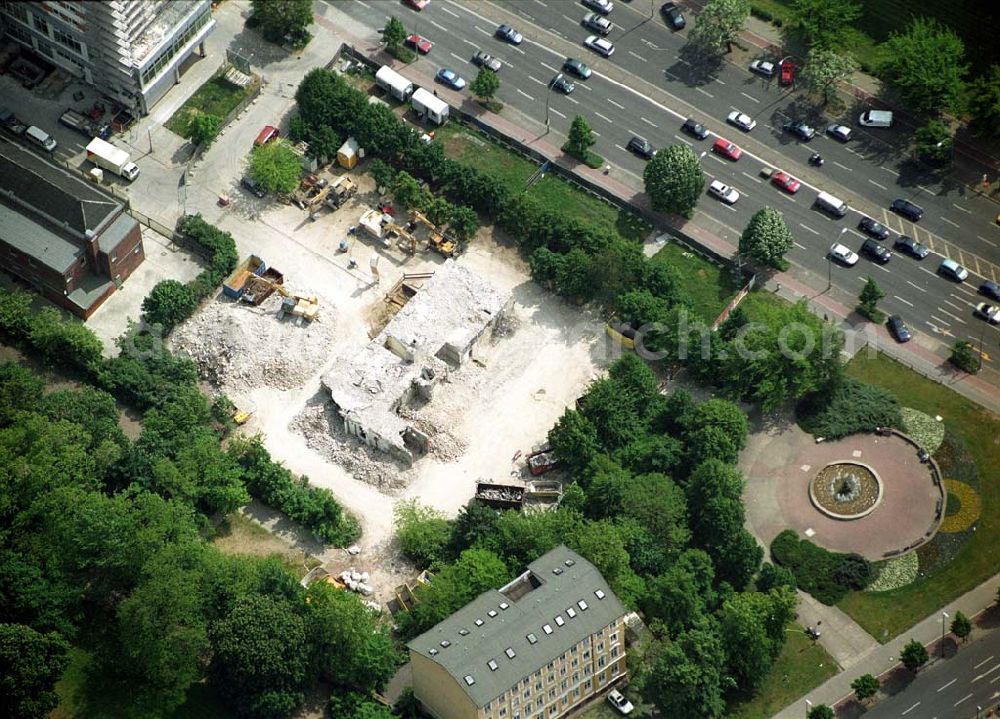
{"type": "Point", "coordinates": [843, 254]}
{"type": "Point", "coordinates": [839, 132]}
{"type": "Point", "coordinates": [763, 67]}
{"type": "Point", "coordinates": [600, 45]}
{"type": "Point", "coordinates": [741, 120]}
{"type": "Point", "coordinates": [724, 192]}
{"type": "Point", "coordinates": [619, 702]}
{"type": "Point", "coordinates": [602, 6]}
{"type": "Point", "coordinates": [598, 23]}
{"type": "Point", "coordinates": [990, 313]}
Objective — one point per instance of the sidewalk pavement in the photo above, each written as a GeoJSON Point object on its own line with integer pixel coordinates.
{"type": "Point", "coordinates": [883, 658]}
{"type": "Point", "coordinates": [845, 640]}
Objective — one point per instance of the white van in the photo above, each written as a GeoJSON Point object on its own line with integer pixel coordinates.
{"type": "Point", "coordinates": [831, 204]}
{"type": "Point", "coordinates": [876, 118]}
{"type": "Point", "coordinates": [41, 138]}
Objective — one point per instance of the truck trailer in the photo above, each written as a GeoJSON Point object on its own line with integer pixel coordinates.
{"type": "Point", "coordinates": [83, 124]}
{"type": "Point", "coordinates": [107, 156]}
{"type": "Point", "coordinates": [394, 83]}
{"type": "Point", "coordinates": [424, 103]}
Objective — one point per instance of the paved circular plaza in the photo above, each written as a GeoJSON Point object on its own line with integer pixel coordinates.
{"type": "Point", "coordinates": [780, 463]}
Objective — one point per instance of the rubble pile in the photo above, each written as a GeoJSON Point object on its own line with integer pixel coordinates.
{"type": "Point", "coordinates": [444, 444]}
{"type": "Point", "coordinates": [239, 347]}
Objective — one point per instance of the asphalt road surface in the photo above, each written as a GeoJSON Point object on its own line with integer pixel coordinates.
{"type": "Point", "coordinates": [653, 82]}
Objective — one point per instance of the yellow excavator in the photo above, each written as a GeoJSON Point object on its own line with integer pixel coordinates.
{"type": "Point", "coordinates": [257, 289]}
{"type": "Point", "coordinates": [436, 241]}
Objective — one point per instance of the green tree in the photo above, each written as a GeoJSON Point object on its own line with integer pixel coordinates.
{"type": "Point", "coordinates": [871, 293]}
{"type": "Point", "coordinates": [464, 222]}
{"type": "Point", "coordinates": [383, 173]}
{"type": "Point", "coordinates": [65, 342]}
{"type": "Point", "coordinates": [820, 711]}
{"type": "Point", "coordinates": [30, 665]}
{"type": "Point", "coordinates": [825, 23]}
{"type": "Point", "coordinates": [752, 627]}
{"type": "Point", "coordinates": [580, 138]}
{"type": "Point", "coordinates": [394, 33]}
{"type": "Point", "coordinates": [261, 657]}
{"type": "Point", "coordinates": [485, 85]}
{"type": "Point", "coordinates": [204, 128]}
{"type": "Point", "coordinates": [575, 276]}
{"type": "Point", "coordinates": [961, 626]}
{"type": "Point", "coordinates": [406, 191]}
{"type": "Point", "coordinates": [683, 595]}
{"type": "Point", "coordinates": [276, 167]}
{"type": "Point", "coordinates": [356, 705]}
{"type": "Point", "coordinates": [438, 210]}
{"type": "Point", "coordinates": [826, 69]}
{"type": "Point", "coordinates": [719, 24]}
{"type": "Point", "coordinates": [983, 102]}
{"type": "Point", "coordinates": [767, 238]}
{"type": "Point", "coordinates": [475, 522]}
{"type": "Point", "coordinates": [659, 505]}
{"type": "Point", "coordinates": [865, 687]}
{"type": "Point", "coordinates": [965, 357]}
{"type": "Point", "coordinates": [278, 18]}
{"type": "Point", "coordinates": [772, 576]}
{"type": "Point", "coordinates": [168, 304]}
{"type": "Point", "coordinates": [674, 179]}
{"type": "Point", "coordinates": [933, 143]}
{"type": "Point", "coordinates": [20, 390]}
{"type": "Point", "coordinates": [422, 531]}
{"type": "Point", "coordinates": [925, 65]}
{"type": "Point", "coordinates": [687, 680]}
{"type": "Point", "coordinates": [914, 655]}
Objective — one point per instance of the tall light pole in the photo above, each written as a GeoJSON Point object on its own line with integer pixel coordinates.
{"type": "Point", "coordinates": [944, 617]}
{"type": "Point", "coordinates": [548, 95]}
{"type": "Point", "coordinates": [829, 262]}
{"type": "Point", "coordinates": [809, 706]}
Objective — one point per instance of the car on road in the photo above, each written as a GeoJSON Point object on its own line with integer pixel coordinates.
{"type": "Point", "coordinates": [843, 254]}
{"type": "Point", "coordinates": [673, 16]}
{"type": "Point", "coordinates": [990, 289]}
{"type": "Point", "coordinates": [727, 149]}
{"type": "Point", "coordinates": [9, 122]}
{"type": "Point", "coordinates": [800, 129]}
{"type": "Point", "coordinates": [619, 702]}
{"type": "Point", "coordinates": [786, 182]}
{"type": "Point", "coordinates": [576, 67]}
{"type": "Point", "coordinates": [506, 32]}
{"type": "Point", "coordinates": [898, 328]}
{"type": "Point", "coordinates": [877, 252]}
{"type": "Point", "coordinates": [988, 312]}
{"type": "Point", "coordinates": [602, 6]}
{"type": "Point", "coordinates": [600, 45]}
{"type": "Point", "coordinates": [873, 228]}
{"type": "Point", "coordinates": [598, 23]}
{"type": "Point", "coordinates": [450, 78]}
{"type": "Point", "coordinates": [641, 147]}
{"type": "Point", "coordinates": [741, 120]}
{"type": "Point", "coordinates": [907, 209]}
{"type": "Point", "coordinates": [911, 247]}
{"type": "Point", "coordinates": [563, 84]}
{"type": "Point", "coordinates": [251, 185]}
{"type": "Point", "coordinates": [724, 192]}
{"type": "Point", "coordinates": [484, 59]}
{"type": "Point", "coordinates": [418, 4]}
{"type": "Point", "coordinates": [952, 270]}
{"type": "Point", "coordinates": [419, 43]}
{"type": "Point", "coordinates": [839, 132]}
{"type": "Point", "coordinates": [695, 129]}
{"type": "Point", "coordinates": [763, 67]}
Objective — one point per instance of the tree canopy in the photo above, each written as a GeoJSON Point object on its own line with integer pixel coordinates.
{"type": "Point", "coordinates": [719, 24]}
{"type": "Point", "coordinates": [674, 179]}
{"type": "Point", "coordinates": [275, 166]}
{"type": "Point", "coordinates": [925, 65]}
{"type": "Point", "coordinates": [825, 24]}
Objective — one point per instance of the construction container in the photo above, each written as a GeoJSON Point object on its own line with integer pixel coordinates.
{"type": "Point", "coordinates": [349, 153]}
{"type": "Point", "coordinates": [427, 105]}
{"type": "Point", "coordinates": [393, 83]}
{"type": "Point", "coordinates": [233, 286]}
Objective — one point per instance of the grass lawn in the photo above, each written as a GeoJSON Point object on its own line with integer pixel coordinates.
{"type": "Point", "coordinates": [802, 665]}
{"type": "Point", "coordinates": [238, 534]}
{"type": "Point", "coordinates": [887, 614]}
{"type": "Point", "coordinates": [709, 285]}
{"type": "Point", "coordinates": [216, 97]}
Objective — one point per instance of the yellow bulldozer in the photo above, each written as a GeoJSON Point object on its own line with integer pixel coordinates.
{"type": "Point", "coordinates": [258, 289]}
{"type": "Point", "coordinates": [436, 239]}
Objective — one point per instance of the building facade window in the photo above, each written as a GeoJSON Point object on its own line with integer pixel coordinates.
{"type": "Point", "coordinates": [18, 10]}
{"type": "Point", "coordinates": [67, 41]}
{"type": "Point", "coordinates": [151, 72]}
{"type": "Point", "coordinates": [40, 23]}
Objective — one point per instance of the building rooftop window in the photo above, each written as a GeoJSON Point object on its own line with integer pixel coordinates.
{"type": "Point", "coordinates": [433, 651]}
{"type": "Point", "coordinates": [469, 680]}
{"type": "Point", "coordinates": [557, 570]}
{"type": "Point", "coordinates": [599, 593]}
{"type": "Point", "coordinates": [463, 631]}
{"type": "Point", "coordinates": [560, 621]}
{"type": "Point", "coordinates": [509, 651]}
{"type": "Point", "coordinates": [571, 612]}
{"type": "Point", "coordinates": [504, 605]}
{"type": "Point", "coordinates": [492, 664]}
{"type": "Point", "coordinates": [479, 622]}
{"type": "Point", "coordinates": [445, 643]}
{"type": "Point", "coordinates": [547, 628]}
{"type": "Point", "coordinates": [582, 604]}
{"type": "Point", "coordinates": [532, 639]}
{"type": "Point", "coordinates": [492, 613]}
{"type": "Point", "coordinates": [569, 562]}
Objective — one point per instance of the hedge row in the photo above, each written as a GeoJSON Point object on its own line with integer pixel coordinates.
{"type": "Point", "coordinates": [826, 575]}
{"type": "Point", "coordinates": [851, 406]}
{"type": "Point", "coordinates": [579, 260]}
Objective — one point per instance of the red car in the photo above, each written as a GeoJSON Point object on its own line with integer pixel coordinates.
{"type": "Point", "coordinates": [727, 149]}
{"type": "Point", "coordinates": [787, 76]}
{"type": "Point", "coordinates": [419, 43]}
{"type": "Point", "coordinates": [266, 135]}
{"type": "Point", "coordinates": [418, 4]}
{"type": "Point", "coordinates": [786, 182]}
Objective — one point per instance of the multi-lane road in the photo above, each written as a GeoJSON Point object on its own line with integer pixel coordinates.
{"type": "Point", "coordinates": [654, 81]}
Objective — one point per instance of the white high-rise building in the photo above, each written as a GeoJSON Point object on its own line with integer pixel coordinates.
{"type": "Point", "coordinates": [131, 50]}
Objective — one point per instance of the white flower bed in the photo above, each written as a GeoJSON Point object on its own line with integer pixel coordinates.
{"type": "Point", "coordinates": [896, 573]}
{"type": "Point", "coordinates": [925, 430]}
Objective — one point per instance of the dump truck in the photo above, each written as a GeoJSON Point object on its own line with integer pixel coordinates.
{"type": "Point", "coordinates": [107, 156]}
{"type": "Point", "coordinates": [235, 283]}
{"type": "Point", "coordinates": [83, 124]}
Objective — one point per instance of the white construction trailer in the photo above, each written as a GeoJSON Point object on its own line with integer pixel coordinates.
{"type": "Point", "coordinates": [424, 103]}
{"type": "Point", "coordinates": [394, 83]}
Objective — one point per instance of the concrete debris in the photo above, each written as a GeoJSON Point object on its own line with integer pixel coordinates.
{"type": "Point", "coordinates": [239, 348]}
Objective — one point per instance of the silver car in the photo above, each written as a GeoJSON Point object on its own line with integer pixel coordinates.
{"type": "Point", "coordinates": [741, 120]}
{"type": "Point", "coordinates": [724, 192]}
{"type": "Point", "coordinates": [839, 132]}
{"type": "Point", "coordinates": [598, 23]}
{"type": "Point", "coordinates": [484, 59]}
{"type": "Point", "coordinates": [763, 67]}
{"type": "Point", "coordinates": [600, 45]}
{"type": "Point", "coordinates": [843, 254]}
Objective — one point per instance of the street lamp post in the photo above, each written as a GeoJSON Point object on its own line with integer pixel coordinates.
{"type": "Point", "coordinates": [944, 617]}
{"type": "Point", "coordinates": [548, 95]}
{"type": "Point", "coordinates": [809, 706]}
{"type": "Point", "coordinates": [829, 262]}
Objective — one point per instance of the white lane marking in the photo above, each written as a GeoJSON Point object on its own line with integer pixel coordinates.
{"type": "Point", "coordinates": [878, 185]}
{"type": "Point", "coordinates": [888, 170]}
{"type": "Point", "coordinates": [988, 242]}
{"type": "Point", "coordinates": [682, 61]}
{"type": "Point", "coordinates": [556, 32]}
{"type": "Point", "coordinates": [640, 58]}
{"type": "Point", "coordinates": [905, 302]}
{"type": "Point", "coordinates": [442, 28]}
{"type": "Point", "coordinates": [946, 312]}
{"type": "Point", "coordinates": [525, 14]}
{"type": "Point", "coordinates": [915, 286]}
{"type": "Point", "coordinates": [983, 662]}
{"type": "Point", "coordinates": [986, 673]}
{"type": "Point", "coordinates": [363, 4]}
{"type": "Point", "coordinates": [932, 274]}
{"type": "Point", "coordinates": [684, 140]}
{"type": "Point", "coordinates": [880, 267]}
{"type": "Point", "coordinates": [704, 92]}
{"type": "Point", "coordinates": [750, 97]}
{"type": "Point", "coordinates": [648, 122]}
{"type": "Point", "coordinates": [798, 245]}
{"type": "Point", "coordinates": [595, 132]}
{"type": "Point", "coordinates": [606, 119]}
{"type": "Point", "coordinates": [960, 309]}
{"type": "Point", "coordinates": [585, 87]}
{"type": "Point", "coordinates": [548, 67]}
{"type": "Point", "coordinates": [575, 102]}
{"type": "Point", "coordinates": [469, 42]}
{"type": "Point", "coordinates": [621, 148]}
{"type": "Point", "coordinates": [808, 228]}
{"type": "Point", "coordinates": [966, 290]}
{"type": "Point", "coordinates": [719, 80]}
{"type": "Point", "coordinates": [518, 49]}
{"type": "Point", "coordinates": [946, 324]}
{"type": "Point", "coordinates": [787, 196]}
{"type": "Point", "coordinates": [748, 175]}
{"type": "Point", "coordinates": [460, 59]}
{"type": "Point", "coordinates": [720, 161]}
{"type": "Point", "coordinates": [953, 680]}
{"type": "Point", "coordinates": [525, 94]}
{"type": "Point", "coordinates": [556, 112]}
{"type": "Point", "coordinates": [453, 14]}
{"type": "Point", "coordinates": [620, 107]}
{"type": "Point", "coordinates": [843, 167]}
{"type": "Point", "coordinates": [994, 680]}
{"type": "Point", "coordinates": [535, 79]}
{"type": "Point", "coordinates": [914, 707]}
{"type": "Point", "coordinates": [539, 2]}
{"type": "Point", "coordinates": [961, 209]}
{"type": "Point", "coordinates": [482, 31]}
{"type": "Point", "coordinates": [945, 219]}
{"type": "Point", "coordinates": [929, 192]}
{"type": "Point", "coordinates": [967, 696]}
{"type": "Point", "coordinates": [567, 17]}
